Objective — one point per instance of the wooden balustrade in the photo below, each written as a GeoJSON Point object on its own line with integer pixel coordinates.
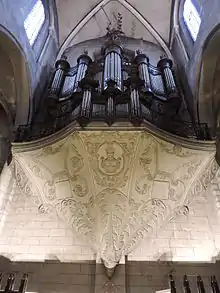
{"type": "Point", "coordinates": [10, 283]}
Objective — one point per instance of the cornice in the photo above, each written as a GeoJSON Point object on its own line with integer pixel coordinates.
{"type": "Point", "coordinates": [146, 126]}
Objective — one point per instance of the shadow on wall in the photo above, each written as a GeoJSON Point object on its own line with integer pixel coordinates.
{"type": "Point", "coordinates": [51, 276]}
{"type": "Point", "coordinates": [209, 86]}
{"type": "Point", "coordinates": [89, 277]}
{"type": "Point", "coordinates": [15, 77]}
{"type": "Point", "coordinates": [42, 87]}
{"type": "Point", "coordinates": [5, 138]}
{"type": "Point", "coordinates": [166, 256]}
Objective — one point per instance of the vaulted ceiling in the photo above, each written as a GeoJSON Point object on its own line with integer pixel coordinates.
{"type": "Point", "coordinates": [89, 18]}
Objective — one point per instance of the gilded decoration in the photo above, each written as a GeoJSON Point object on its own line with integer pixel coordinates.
{"type": "Point", "coordinates": [114, 187]}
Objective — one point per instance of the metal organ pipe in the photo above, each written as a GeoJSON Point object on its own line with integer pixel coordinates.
{"type": "Point", "coordinates": [86, 104]}
{"type": "Point", "coordinates": [58, 79]}
{"type": "Point", "coordinates": [135, 104]}
{"type": "Point", "coordinates": [165, 65]}
{"type": "Point", "coordinates": [112, 67]}
{"type": "Point", "coordinates": [83, 62]}
{"type": "Point", "coordinates": [143, 63]}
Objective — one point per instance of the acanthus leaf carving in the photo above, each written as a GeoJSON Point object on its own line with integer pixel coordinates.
{"type": "Point", "coordinates": [115, 188]}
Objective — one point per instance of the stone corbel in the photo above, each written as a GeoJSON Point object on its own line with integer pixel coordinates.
{"type": "Point", "coordinates": [116, 186]}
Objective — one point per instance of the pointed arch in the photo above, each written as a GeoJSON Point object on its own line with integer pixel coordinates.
{"type": "Point", "coordinates": [20, 76]}
{"type": "Point", "coordinates": [130, 8]}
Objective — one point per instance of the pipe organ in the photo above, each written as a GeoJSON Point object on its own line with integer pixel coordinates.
{"type": "Point", "coordinates": [112, 67]}
{"type": "Point", "coordinates": [115, 80]}
{"type": "Point", "coordinates": [118, 84]}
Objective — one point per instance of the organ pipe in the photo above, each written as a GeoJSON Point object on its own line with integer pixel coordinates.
{"type": "Point", "coordinates": [165, 65]}
{"type": "Point", "coordinates": [134, 83]}
{"type": "Point", "coordinates": [58, 79]}
{"type": "Point", "coordinates": [143, 67]}
{"type": "Point", "coordinates": [86, 104]}
{"type": "Point", "coordinates": [83, 62]}
{"type": "Point", "coordinates": [135, 104]}
{"type": "Point", "coordinates": [113, 66]}
{"type": "Point", "coordinates": [110, 108]}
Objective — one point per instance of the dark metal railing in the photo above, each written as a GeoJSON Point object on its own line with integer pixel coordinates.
{"type": "Point", "coordinates": [181, 128]}
{"type": "Point", "coordinates": [178, 127]}
{"type": "Point", "coordinates": [187, 286]}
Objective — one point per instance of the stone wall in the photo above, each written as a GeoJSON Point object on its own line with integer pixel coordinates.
{"type": "Point", "coordinates": [195, 237]}
{"type": "Point", "coordinates": [58, 260]}
{"type": "Point", "coordinates": [188, 53]}
{"type": "Point", "coordinates": [94, 46]}
{"type": "Point", "coordinates": [28, 235]}
{"type": "Point", "coordinates": [153, 276]}
{"type": "Point", "coordinates": [13, 14]}
{"type": "Point", "coordinates": [51, 277]}
{"type": "Point", "coordinates": [210, 19]}
{"type": "Point", "coordinates": [89, 277]}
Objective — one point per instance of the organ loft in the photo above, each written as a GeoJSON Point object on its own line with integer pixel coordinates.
{"type": "Point", "coordinates": [109, 146]}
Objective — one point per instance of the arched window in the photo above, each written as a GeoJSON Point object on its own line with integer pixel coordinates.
{"type": "Point", "coordinates": [34, 21]}
{"type": "Point", "coordinates": [191, 18]}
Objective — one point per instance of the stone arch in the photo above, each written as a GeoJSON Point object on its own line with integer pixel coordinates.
{"type": "Point", "coordinates": [15, 79]}
{"type": "Point", "coordinates": [131, 9]}
{"type": "Point", "coordinates": [208, 85]}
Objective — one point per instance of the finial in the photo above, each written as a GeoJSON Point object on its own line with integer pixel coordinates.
{"type": "Point", "coordinates": [64, 57]}
{"type": "Point", "coordinates": [163, 56]}
{"type": "Point", "coordinates": [138, 52]}
{"type": "Point", "coordinates": [119, 22]}
{"type": "Point", "coordinates": [114, 33]}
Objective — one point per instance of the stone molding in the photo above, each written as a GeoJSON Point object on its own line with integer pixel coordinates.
{"type": "Point", "coordinates": [146, 126]}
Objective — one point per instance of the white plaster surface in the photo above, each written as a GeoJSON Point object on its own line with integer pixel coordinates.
{"type": "Point", "coordinates": [28, 235]}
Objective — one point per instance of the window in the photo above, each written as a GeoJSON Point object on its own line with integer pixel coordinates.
{"type": "Point", "coordinates": [191, 18]}
{"type": "Point", "coordinates": [34, 21]}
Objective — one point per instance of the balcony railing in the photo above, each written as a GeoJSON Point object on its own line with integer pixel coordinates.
{"type": "Point", "coordinates": [181, 128]}
{"type": "Point", "coordinates": [10, 284]}
{"type": "Point", "coordinates": [188, 287]}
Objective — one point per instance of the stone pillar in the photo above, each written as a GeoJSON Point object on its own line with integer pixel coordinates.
{"type": "Point", "coordinates": [143, 63]}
